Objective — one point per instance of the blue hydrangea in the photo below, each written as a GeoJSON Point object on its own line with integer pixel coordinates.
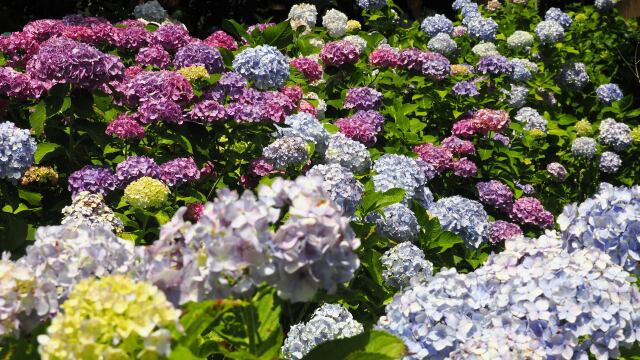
{"type": "Point", "coordinates": [351, 154]}
{"type": "Point", "coordinates": [17, 148]}
{"type": "Point", "coordinates": [469, 11]}
{"type": "Point", "coordinates": [264, 65]}
{"type": "Point", "coordinates": [372, 4]}
{"type": "Point", "coordinates": [484, 29]}
{"type": "Point", "coordinates": [584, 147]}
{"type": "Point", "coordinates": [558, 16]}
{"type": "Point", "coordinates": [517, 97]}
{"type": "Point", "coordinates": [615, 134]}
{"type": "Point", "coordinates": [523, 69]}
{"type": "Point", "coordinates": [404, 264]}
{"type": "Point", "coordinates": [150, 11]}
{"type": "Point", "coordinates": [436, 24]}
{"type": "Point", "coordinates": [573, 76]}
{"type": "Point", "coordinates": [610, 162]}
{"type": "Point", "coordinates": [286, 151]}
{"type": "Point", "coordinates": [341, 185]}
{"type": "Point", "coordinates": [396, 222]}
{"type": "Point", "coordinates": [458, 4]}
{"type": "Point", "coordinates": [307, 127]}
{"type": "Point", "coordinates": [442, 43]}
{"type": "Point", "coordinates": [608, 93]}
{"type": "Point", "coordinates": [328, 322]}
{"type": "Point", "coordinates": [531, 119]}
{"type": "Point", "coordinates": [398, 171]}
{"type": "Point", "coordinates": [464, 217]}
{"type": "Point", "coordinates": [604, 5]}
{"type": "Point", "coordinates": [609, 221]}
{"type": "Point", "coordinates": [549, 32]}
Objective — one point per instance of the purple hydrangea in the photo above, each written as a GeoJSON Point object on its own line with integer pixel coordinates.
{"type": "Point", "coordinates": [18, 85]}
{"type": "Point", "coordinates": [199, 54]}
{"type": "Point", "coordinates": [339, 52]}
{"type": "Point", "coordinates": [130, 37]}
{"type": "Point", "coordinates": [529, 211]}
{"type": "Point", "coordinates": [363, 126]}
{"type": "Point", "coordinates": [464, 167]}
{"type": "Point", "coordinates": [458, 146]}
{"type": "Point", "coordinates": [207, 111]}
{"type": "Point", "coordinates": [411, 59]}
{"type": "Point", "coordinates": [171, 36]}
{"type": "Point", "coordinates": [94, 179]}
{"type": "Point", "coordinates": [61, 60]}
{"type": "Point", "coordinates": [153, 56]}
{"type": "Point", "coordinates": [363, 98]}
{"type": "Point", "coordinates": [160, 110]}
{"type": "Point", "coordinates": [494, 64]}
{"type": "Point", "coordinates": [500, 230]}
{"type": "Point", "coordinates": [135, 167]}
{"type": "Point", "coordinates": [610, 162]}
{"type": "Point", "coordinates": [435, 66]}
{"type": "Point", "coordinates": [156, 85]}
{"type": "Point", "coordinates": [466, 88]}
{"type": "Point", "coordinates": [496, 194]}
{"type": "Point", "coordinates": [231, 84]}
{"type": "Point", "coordinates": [557, 171]}
{"type": "Point", "coordinates": [309, 67]}
{"type": "Point", "coordinates": [608, 93]}
{"type": "Point", "coordinates": [222, 40]}
{"type": "Point", "coordinates": [125, 127]}
{"type": "Point", "coordinates": [179, 171]}
{"type": "Point", "coordinates": [573, 76]}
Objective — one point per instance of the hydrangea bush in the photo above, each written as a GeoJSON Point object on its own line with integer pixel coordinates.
{"type": "Point", "coordinates": [457, 188]}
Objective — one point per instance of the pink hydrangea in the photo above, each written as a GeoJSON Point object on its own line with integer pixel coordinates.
{"type": "Point", "coordinates": [307, 107]}
{"type": "Point", "coordinates": [464, 167]}
{"type": "Point", "coordinates": [294, 93]}
{"type": "Point", "coordinates": [310, 68]}
{"type": "Point", "coordinates": [171, 36]}
{"type": "Point", "coordinates": [221, 39]}
{"type": "Point", "coordinates": [463, 128]}
{"type": "Point", "coordinates": [208, 111]}
{"type": "Point", "coordinates": [458, 146]}
{"type": "Point", "coordinates": [529, 211]}
{"type": "Point", "coordinates": [125, 127]}
{"type": "Point", "coordinates": [486, 120]}
{"type": "Point", "coordinates": [363, 126]}
{"type": "Point", "coordinates": [337, 53]}
{"type": "Point", "coordinates": [385, 56]}
{"type": "Point", "coordinates": [440, 158]}
{"type": "Point", "coordinates": [130, 38]}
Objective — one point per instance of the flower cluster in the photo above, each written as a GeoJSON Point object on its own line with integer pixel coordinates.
{"type": "Point", "coordinates": [557, 171]}
{"type": "Point", "coordinates": [303, 15]}
{"type": "Point", "coordinates": [405, 264]}
{"type": "Point", "coordinates": [529, 211]}
{"type": "Point", "coordinates": [125, 127]}
{"type": "Point", "coordinates": [396, 222]}
{"type": "Point", "coordinates": [93, 179]}
{"type": "Point", "coordinates": [399, 171]}
{"type": "Point", "coordinates": [90, 209]}
{"type": "Point", "coordinates": [385, 56]}
{"type": "Point", "coordinates": [337, 53]}
{"type": "Point", "coordinates": [614, 134]}
{"type": "Point", "coordinates": [17, 149]}
{"type": "Point", "coordinates": [264, 65]}
{"type": "Point", "coordinates": [309, 67]}
{"type": "Point", "coordinates": [549, 32]}
{"type": "Point", "coordinates": [372, 4]}
{"type": "Point", "coordinates": [573, 76]}
{"type": "Point", "coordinates": [150, 11]}
{"type": "Point", "coordinates": [496, 194]}
{"type": "Point", "coordinates": [531, 119]}
{"type": "Point", "coordinates": [146, 193]}
{"type": "Point", "coordinates": [222, 40]}
{"type": "Point", "coordinates": [341, 185]}
{"type": "Point", "coordinates": [520, 40]}
{"type": "Point", "coordinates": [584, 147]}
{"type": "Point", "coordinates": [363, 98]}
{"type": "Point", "coordinates": [443, 44]}
{"type": "Point", "coordinates": [555, 14]}
{"type": "Point", "coordinates": [40, 175]}
{"type": "Point", "coordinates": [608, 93]}
{"type": "Point", "coordinates": [610, 162]}
{"type": "Point", "coordinates": [335, 22]}
{"type": "Point", "coordinates": [495, 64]}
{"type": "Point", "coordinates": [348, 153]}
{"type": "Point", "coordinates": [464, 217]}
{"type": "Point", "coordinates": [363, 126]}
{"type": "Point", "coordinates": [199, 54]}
{"type": "Point", "coordinates": [500, 231]}
{"type": "Point", "coordinates": [328, 322]}
{"type": "Point", "coordinates": [179, 171]}
{"type": "Point", "coordinates": [436, 24]}
{"type": "Point", "coordinates": [286, 151]}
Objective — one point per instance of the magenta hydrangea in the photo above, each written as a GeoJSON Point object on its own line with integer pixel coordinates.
{"type": "Point", "coordinates": [529, 211]}
{"type": "Point", "coordinates": [135, 167]}
{"type": "Point", "coordinates": [496, 194]}
{"type": "Point", "coordinates": [439, 157]}
{"type": "Point", "coordinates": [363, 98]}
{"type": "Point", "coordinates": [309, 67]}
{"type": "Point", "coordinates": [222, 40]}
{"type": "Point", "coordinates": [130, 38]}
{"type": "Point", "coordinates": [463, 128]}
{"type": "Point", "coordinates": [61, 60]}
{"type": "Point", "coordinates": [198, 53]}
{"type": "Point", "coordinates": [171, 36]}
{"type": "Point", "coordinates": [363, 126]}
{"type": "Point", "coordinates": [15, 84]}
{"type": "Point", "coordinates": [207, 111]}
{"type": "Point", "coordinates": [125, 127]}
{"type": "Point", "coordinates": [93, 179]}
{"type": "Point", "coordinates": [337, 53]}
{"type": "Point", "coordinates": [385, 56]}
{"type": "Point", "coordinates": [500, 231]}
{"type": "Point", "coordinates": [19, 47]}
{"type": "Point", "coordinates": [153, 56]}
{"type": "Point", "coordinates": [160, 110]}
{"type": "Point", "coordinates": [179, 171]}
{"type": "Point", "coordinates": [156, 85]}
{"type": "Point", "coordinates": [294, 93]}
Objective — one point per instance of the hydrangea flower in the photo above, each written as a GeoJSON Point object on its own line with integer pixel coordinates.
{"type": "Point", "coordinates": [434, 66]}
{"type": "Point", "coordinates": [466, 88]}
{"type": "Point", "coordinates": [286, 151]}
{"type": "Point", "coordinates": [303, 14]}
{"type": "Point", "coordinates": [264, 65]}
{"type": "Point", "coordinates": [398, 171]}
{"type": "Point", "coordinates": [90, 209]}
{"type": "Point", "coordinates": [549, 32]}
{"type": "Point", "coordinates": [607, 221]}
{"type": "Point", "coordinates": [483, 49]}
{"type": "Point", "coordinates": [464, 167]}
{"type": "Point", "coordinates": [608, 93]}
{"type": "Point", "coordinates": [149, 86]}
{"type": "Point", "coordinates": [194, 73]}
{"type": "Point", "coordinates": [208, 111]}
{"type": "Point", "coordinates": [610, 162]}
{"type": "Point", "coordinates": [335, 22]}
{"type": "Point", "coordinates": [17, 149]}
{"type": "Point", "coordinates": [396, 222]}
{"type": "Point", "coordinates": [179, 171]}
{"type": "Point", "coordinates": [93, 179]}
{"type": "Point", "coordinates": [107, 316]}
{"type": "Point", "coordinates": [614, 134]}
{"type": "Point", "coordinates": [459, 31]}
{"type": "Point", "coordinates": [372, 4]}
{"type": "Point", "coordinates": [146, 193]}
{"type": "Point", "coordinates": [529, 211]}
{"type": "Point", "coordinates": [40, 175]}
{"type": "Point", "coordinates": [458, 146]}
{"type": "Point", "coordinates": [348, 153]}
{"type": "Point", "coordinates": [385, 56]}
{"type": "Point", "coordinates": [16, 293]}
{"type": "Point", "coordinates": [125, 127]}
{"type": "Point", "coordinates": [463, 217]}
{"type": "Point", "coordinates": [160, 110]}
{"type": "Point", "coordinates": [135, 167]}
{"type": "Point", "coordinates": [436, 24]}
{"type": "Point", "coordinates": [328, 322]}
{"type": "Point", "coordinates": [309, 67]}
{"type": "Point", "coordinates": [485, 120]}
{"type": "Point", "coordinates": [357, 41]}
{"type": "Point", "coordinates": [130, 37]}
{"type": "Point", "coordinates": [604, 5]}
{"type": "Point", "coordinates": [583, 128]}
{"type": "Point", "coordinates": [523, 69]}
{"type": "Point", "coordinates": [150, 11]}
{"type": "Point", "coordinates": [573, 76]}
{"type": "Point", "coordinates": [443, 44]}
{"type": "Point", "coordinates": [517, 97]}
{"type": "Point", "coordinates": [584, 147]}
{"type": "Point", "coordinates": [531, 119]}
{"type": "Point", "coordinates": [558, 16]}
{"type": "Point", "coordinates": [495, 65]}
{"type": "Point", "coordinates": [15, 84]}
{"type": "Point", "coordinates": [520, 40]}
{"type": "Point", "coordinates": [363, 126]}
{"type": "Point", "coordinates": [363, 98]}
{"type": "Point", "coordinates": [341, 185]}
{"type": "Point", "coordinates": [306, 127]}
{"type": "Point", "coordinates": [404, 264]}
{"type": "Point", "coordinates": [221, 40]}
{"type": "Point", "coordinates": [483, 29]}
{"type": "Point", "coordinates": [337, 53]}
{"type": "Point", "coordinates": [171, 36]}
{"type": "Point", "coordinates": [439, 157]}
{"type": "Point", "coordinates": [500, 231]}
{"type": "Point", "coordinates": [199, 54]}
{"type": "Point", "coordinates": [496, 194]}
{"type": "Point", "coordinates": [153, 56]}
{"type": "Point", "coordinates": [557, 171]}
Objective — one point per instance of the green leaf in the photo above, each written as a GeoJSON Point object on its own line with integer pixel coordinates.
{"type": "Point", "coordinates": [182, 353]}
{"type": "Point", "coordinates": [44, 149]}
{"type": "Point", "coordinates": [33, 198]}
{"type": "Point", "coordinates": [369, 345]}
{"type": "Point", "coordinates": [38, 117]}
{"type": "Point", "coordinates": [279, 35]}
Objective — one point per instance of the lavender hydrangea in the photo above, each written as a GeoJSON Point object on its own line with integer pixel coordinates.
{"type": "Point", "coordinates": [608, 93]}
{"type": "Point", "coordinates": [436, 24]}
{"type": "Point", "coordinates": [17, 149]}
{"type": "Point", "coordinates": [328, 322]}
{"type": "Point", "coordinates": [348, 153]}
{"type": "Point", "coordinates": [496, 194]}
{"type": "Point", "coordinates": [286, 151]}
{"type": "Point", "coordinates": [363, 98]}
{"type": "Point", "coordinates": [531, 119]}
{"type": "Point", "coordinates": [179, 171]}
{"type": "Point", "coordinates": [135, 167]}
{"type": "Point", "coordinates": [573, 76]}
{"type": "Point", "coordinates": [341, 185]}
{"type": "Point", "coordinates": [557, 171]}
{"type": "Point", "coordinates": [584, 147]}
{"type": "Point", "coordinates": [434, 66]}
{"type": "Point", "coordinates": [610, 162]}
{"type": "Point", "coordinates": [496, 65]}
{"type": "Point", "coordinates": [558, 16]}
{"type": "Point", "coordinates": [615, 134]}
{"type": "Point", "coordinates": [264, 65]}
{"type": "Point", "coordinates": [549, 32]}
{"type": "Point", "coordinates": [398, 171]}
{"type": "Point", "coordinates": [93, 179]}
{"type": "Point", "coordinates": [171, 36]}
{"type": "Point", "coordinates": [199, 54]}
{"type": "Point", "coordinates": [396, 222]}
{"type": "Point", "coordinates": [466, 88]}
{"type": "Point", "coordinates": [463, 217]}
{"type": "Point", "coordinates": [483, 29]}
{"type": "Point", "coordinates": [363, 126]}
{"type": "Point", "coordinates": [405, 264]}
{"type": "Point", "coordinates": [608, 221]}
{"type": "Point", "coordinates": [443, 44]}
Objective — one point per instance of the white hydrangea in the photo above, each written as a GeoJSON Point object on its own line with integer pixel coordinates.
{"type": "Point", "coordinates": [351, 154]}
{"type": "Point", "coordinates": [485, 49]}
{"type": "Point", "coordinates": [443, 44]}
{"type": "Point", "coordinates": [303, 14]}
{"type": "Point", "coordinates": [520, 40]}
{"type": "Point", "coordinates": [356, 40]}
{"type": "Point", "coordinates": [335, 22]}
